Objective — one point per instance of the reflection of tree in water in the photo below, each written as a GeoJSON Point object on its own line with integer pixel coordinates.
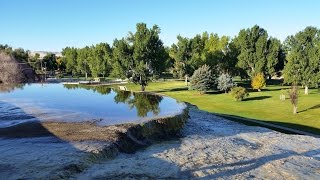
{"type": "Point", "coordinates": [122, 96]}
{"type": "Point", "coordinates": [10, 87]}
{"type": "Point", "coordinates": [99, 89]}
{"type": "Point", "coordinates": [143, 102]}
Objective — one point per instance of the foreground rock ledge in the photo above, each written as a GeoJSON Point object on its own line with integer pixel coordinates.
{"type": "Point", "coordinates": [210, 148]}
{"type": "Point", "coordinates": [61, 150]}
{"type": "Point", "coordinates": [215, 148]}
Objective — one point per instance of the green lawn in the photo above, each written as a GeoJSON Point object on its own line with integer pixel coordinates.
{"type": "Point", "coordinates": [264, 106]}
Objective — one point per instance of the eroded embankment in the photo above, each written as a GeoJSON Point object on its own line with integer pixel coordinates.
{"type": "Point", "coordinates": [60, 150]}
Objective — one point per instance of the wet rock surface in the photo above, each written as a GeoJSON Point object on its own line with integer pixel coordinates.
{"type": "Point", "coordinates": [212, 148]}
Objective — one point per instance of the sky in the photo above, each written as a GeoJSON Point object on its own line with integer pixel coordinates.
{"type": "Point", "coordinates": [50, 25]}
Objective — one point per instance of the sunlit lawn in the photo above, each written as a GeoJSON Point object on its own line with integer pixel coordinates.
{"type": "Point", "coordinates": [265, 105]}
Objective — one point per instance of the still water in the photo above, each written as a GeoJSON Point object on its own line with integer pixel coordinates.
{"type": "Point", "coordinates": [76, 103]}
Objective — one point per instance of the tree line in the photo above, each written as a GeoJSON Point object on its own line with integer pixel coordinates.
{"type": "Point", "coordinates": [142, 55]}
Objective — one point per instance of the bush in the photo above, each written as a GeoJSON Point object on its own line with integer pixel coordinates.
{"type": "Point", "coordinates": [225, 82]}
{"type": "Point", "coordinates": [202, 79]}
{"type": "Point", "coordinates": [239, 93]}
{"type": "Point", "coordinates": [10, 73]}
{"type": "Point", "coordinates": [258, 81]}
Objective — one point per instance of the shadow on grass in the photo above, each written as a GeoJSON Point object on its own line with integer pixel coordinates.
{"type": "Point", "coordinates": [313, 107]}
{"type": "Point", "coordinates": [258, 98]}
{"type": "Point", "coordinates": [172, 89]}
{"type": "Point", "coordinates": [268, 124]}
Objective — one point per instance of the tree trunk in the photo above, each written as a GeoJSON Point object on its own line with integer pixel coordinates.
{"type": "Point", "coordinates": [306, 90]}
{"type": "Point", "coordinates": [295, 109]}
{"type": "Point", "coordinates": [86, 76]}
{"type": "Point", "coordinates": [142, 88]}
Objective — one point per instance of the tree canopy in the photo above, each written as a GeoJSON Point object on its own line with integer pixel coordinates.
{"type": "Point", "coordinates": [257, 52]}
{"type": "Point", "coordinates": [303, 58]}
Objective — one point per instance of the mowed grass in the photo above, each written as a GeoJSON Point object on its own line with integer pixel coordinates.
{"type": "Point", "coordinates": [263, 106]}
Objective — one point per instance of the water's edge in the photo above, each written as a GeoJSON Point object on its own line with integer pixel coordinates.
{"type": "Point", "coordinates": [135, 137]}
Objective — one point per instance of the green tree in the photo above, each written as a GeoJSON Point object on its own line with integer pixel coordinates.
{"type": "Point", "coordinates": [303, 54]}
{"type": "Point", "coordinates": [122, 58]}
{"type": "Point", "coordinates": [70, 58]}
{"type": "Point", "coordinates": [99, 61]}
{"type": "Point", "coordinates": [275, 57]}
{"type": "Point", "coordinates": [181, 53]}
{"type": "Point", "coordinates": [50, 62]}
{"type": "Point", "coordinates": [147, 53]}
{"type": "Point", "coordinates": [21, 55]}
{"type": "Point", "coordinates": [82, 64]}
{"type": "Point", "coordinates": [252, 44]}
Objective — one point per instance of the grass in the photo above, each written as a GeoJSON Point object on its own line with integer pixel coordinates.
{"type": "Point", "coordinates": [263, 106]}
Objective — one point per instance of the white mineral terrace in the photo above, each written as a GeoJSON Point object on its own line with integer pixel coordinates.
{"type": "Point", "coordinates": [211, 148]}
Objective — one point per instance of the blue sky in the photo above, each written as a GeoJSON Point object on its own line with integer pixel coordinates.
{"type": "Point", "coordinates": [53, 24]}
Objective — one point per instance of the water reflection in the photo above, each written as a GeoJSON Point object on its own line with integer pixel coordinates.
{"type": "Point", "coordinates": [100, 89]}
{"type": "Point", "coordinates": [7, 88]}
{"type": "Point", "coordinates": [142, 102]}
{"type": "Point", "coordinates": [80, 103]}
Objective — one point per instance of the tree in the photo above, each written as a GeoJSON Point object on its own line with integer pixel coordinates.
{"type": "Point", "coordinates": [122, 59]}
{"type": "Point", "coordinates": [147, 53]}
{"type": "Point", "coordinates": [293, 95]}
{"type": "Point", "coordinates": [61, 66]}
{"type": "Point", "coordinates": [20, 55]}
{"type": "Point", "coordinates": [70, 58]}
{"type": "Point", "coordinates": [50, 62]}
{"type": "Point", "coordinates": [181, 53]}
{"type": "Point", "coordinates": [258, 81]}
{"type": "Point", "coordinates": [257, 52]}
{"type": "Point", "coordinates": [202, 79]}
{"type": "Point", "coordinates": [275, 57]}
{"type": "Point", "coordinates": [225, 82]}
{"type": "Point", "coordinates": [10, 71]}
{"type": "Point", "coordinates": [99, 59]}
{"type": "Point", "coordinates": [303, 54]}
{"type": "Point", "coordinates": [82, 65]}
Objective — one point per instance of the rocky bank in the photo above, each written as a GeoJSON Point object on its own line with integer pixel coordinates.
{"type": "Point", "coordinates": [215, 148]}
{"type": "Point", "coordinates": [210, 147]}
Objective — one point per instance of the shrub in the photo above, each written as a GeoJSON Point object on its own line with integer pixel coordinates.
{"type": "Point", "coordinates": [10, 73]}
{"type": "Point", "coordinates": [202, 79]}
{"type": "Point", "coordinates": [258, 81]}
{"type": "Point", "coordinates": [225, 82]}
{"type": "Point", "coordinates": [239, 93]}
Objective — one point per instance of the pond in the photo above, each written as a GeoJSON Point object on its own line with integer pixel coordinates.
{"type": "Point", "coordinates": [76, 103]}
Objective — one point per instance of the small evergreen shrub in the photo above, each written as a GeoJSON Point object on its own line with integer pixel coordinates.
{"type": "Point", "coordinates": [225, 82]}
{"type": "Point", "coordinates": [202, 79]}
{"type": "Point", "coordinates": [258, 81]}
{"type": "Point", "coordinates": [239, 93]}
